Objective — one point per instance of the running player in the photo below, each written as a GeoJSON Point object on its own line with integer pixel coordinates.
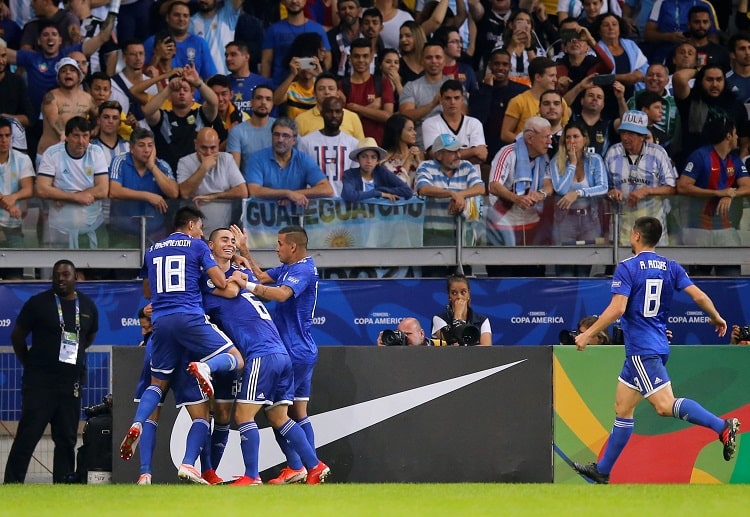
{"type": "Point", "coordinates": [642, 291]}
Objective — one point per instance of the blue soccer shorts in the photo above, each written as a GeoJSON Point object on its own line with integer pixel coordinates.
{"type": "Point", "coordinates": [267, 380]}
{"type": "Point", "coordinates": [646, 374]}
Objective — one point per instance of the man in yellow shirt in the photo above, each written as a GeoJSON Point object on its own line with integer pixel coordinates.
{"type": "Point", "coordinates": [312, 120]}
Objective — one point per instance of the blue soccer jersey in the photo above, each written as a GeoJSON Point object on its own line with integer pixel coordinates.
{"type": "Point", "coordinates": [173, 267]}
{"type": "Point", "coordinates": [245, 319]}
{"type": "Point", "coordinates": [294, 317]}
{"type": "Point", "coordinates": [649, 281]}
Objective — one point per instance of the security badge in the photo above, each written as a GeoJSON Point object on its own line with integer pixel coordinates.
{"type": "Point", "coordinates": [68, 347]}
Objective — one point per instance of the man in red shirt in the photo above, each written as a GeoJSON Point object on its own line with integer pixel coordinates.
{"type": "Point", "coordinates": [368, 96]}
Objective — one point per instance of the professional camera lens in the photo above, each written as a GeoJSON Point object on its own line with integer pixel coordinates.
{"type": "Point", "coordinates": [567, 337]}
{"type": "Point", "coordinates": [393, 338]}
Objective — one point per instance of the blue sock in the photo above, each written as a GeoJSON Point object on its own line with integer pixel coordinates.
{"type": "Point", "coordinates": [206, 463]}
{"type": "Point", "coordinates": [249, 443]}
{"type": "Point", "coordinates": [307, 428]}
{"type": "Point", "coordinates": [690, 410]}
{"type": "Point", "coordinates": [219, 439]}
{"type": "Point", "coordinates": [195, 439]}
{"type": "Point", "coordinates": [621, 432]}
{"type": "Point", "coordinates": [297, 439]}
{"type": "Point", "coordinates": [147, 444]}
{"type": "Point", "coordinates": [148, 404]}
{"type": "Point", "coordinates": [225, 362]}
{"type": "Point", "coordinates": [292, 458]}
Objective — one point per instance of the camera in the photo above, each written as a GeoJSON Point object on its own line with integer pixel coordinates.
{"type": "Point", "coordinates": [567, 337]}
{"type": "Point", "coordinates": [744, 334]}
{"type": "Point", "coordinates": [393, 338]}
{"type": "Point", "coordinates": [105, 408]}
{"type": "Point", "coordinates": [461, 333]}
{"type": "Point", "coordinates": [569, 34]}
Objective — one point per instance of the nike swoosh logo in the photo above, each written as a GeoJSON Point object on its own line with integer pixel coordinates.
{"type": "Point", "coordinates": [329, 426]}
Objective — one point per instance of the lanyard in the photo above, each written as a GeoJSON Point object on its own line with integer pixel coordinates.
{"type": "Point", "coordinates": [60, 315]}
{"type": "Point", "coordinates": [634, 165]}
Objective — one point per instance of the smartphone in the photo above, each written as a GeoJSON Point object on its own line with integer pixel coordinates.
{"type": "Point", "coordinates": [306, 63]}
{"type": "Point", "coordinates": [604, 80]}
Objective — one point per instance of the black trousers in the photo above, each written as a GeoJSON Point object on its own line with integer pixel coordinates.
{"type": "Point", "coordinates": [45, 403]}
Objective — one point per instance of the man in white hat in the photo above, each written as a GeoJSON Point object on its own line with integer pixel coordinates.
{"type": "Point", "coordinates": [448, 182]}
{"type": "Point", "coordinates": [640, 174]}
{"type": "Point", "coordinates": [63, 103]}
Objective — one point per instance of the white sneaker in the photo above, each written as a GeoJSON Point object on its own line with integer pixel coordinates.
{"type": "Point", "coordinates": [190, 473]}
{"type": "Point", "coordinates": [144, 479]}
{"type": "Point", "coordinates": [202, 372]}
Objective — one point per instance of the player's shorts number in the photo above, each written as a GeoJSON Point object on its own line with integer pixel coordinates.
{"type": "Point", "coordinates": [170, 273]}
{"type": "Point", "coordinates": [652, 299]}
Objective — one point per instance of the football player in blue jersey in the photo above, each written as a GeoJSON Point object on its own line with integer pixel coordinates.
{"type": "Point", "coordinates": [296, 293]}
{"type": "Point", "coordinates": [171, 271]}
{"type": "Point", "coordinates": [268, 377]}
{"type": "Point", "coordinates": [642, 291]}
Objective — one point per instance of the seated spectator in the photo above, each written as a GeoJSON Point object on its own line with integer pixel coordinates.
{"type": "Point", "coordinates": [190, 49]}
{"type": "Point", "coordinates": [140, 184]}
{"type": "Point", "coordinates": [651, 104]}
{"type": "Point", "coordinates": [454, 69]}
{"type": "Point", "coordinates": [713, 178]}
{"type": "Point", "coordinates": [330, 147]}
{"type": "Point", "coordinates": [251, 136]}
{"type": "Point", "coordinates": [388, 67]}
{"type": "Point", "coordinates": [175, 128]}
{"type": "Point", "coordinates": [371, 24]}
{"type": "Point", "coordinates": [297, 91]}
{"type": "Point", "coordinates": [211, 180]}
{"type": "Point", "coordinates": [367, 95]}
{"type": "Point", "coordinates": [449, 326]}
{"type": "Point", "coordinates": [371, 180]}
{"type": "Point", "coordinates": [283, 173]}
{"type": "Point", "coordinates": [312, 120]}
{"type": "Point", "coordinates": [467, 130]}
{"type": "Point", "coordinates": [411, 42]}
{"type": "Point", "coordinates": [580, 181]}
{"type": "Point", "coordinates": [400, 142]}
{"type": "Point", "coordinates": [73, 175]}
{"type": "Point", "coordinates": [17, 185]}
{"type": "Point", "coordinates": [640, 184]}
{"type": "Point", "coordinates": [133, 56]}
{"type": "Point", "coordinates": [699, 25]}
{"type": "Point", "coordinates": [453, 187]}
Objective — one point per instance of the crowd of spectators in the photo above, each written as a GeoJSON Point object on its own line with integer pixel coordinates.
{"type": "Point", "coordinates": [535, 118]}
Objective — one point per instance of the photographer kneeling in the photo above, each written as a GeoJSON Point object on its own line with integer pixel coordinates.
{"type": "Point", "coordinates": [459, 324]}
{"type": "Point", "coordinates": [409, 332]}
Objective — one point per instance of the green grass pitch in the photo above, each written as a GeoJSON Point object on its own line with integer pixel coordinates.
{"type": "Point", "coordinates": [338, 500]}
